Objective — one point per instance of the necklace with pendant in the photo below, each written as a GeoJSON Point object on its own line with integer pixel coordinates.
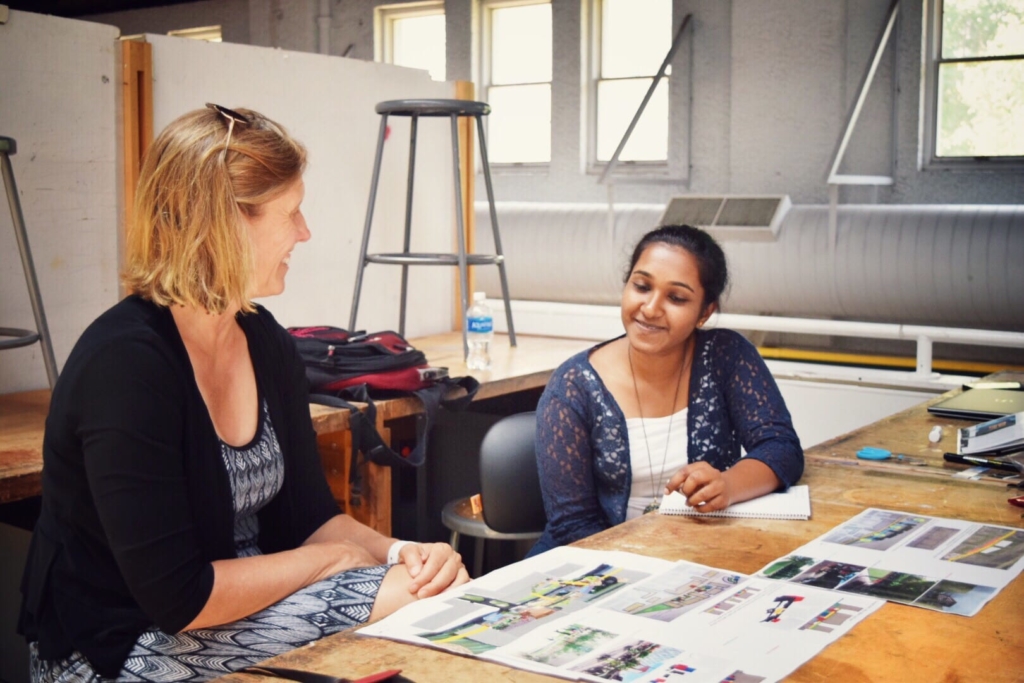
{"type": "Point", "coordinates": [656, 502]}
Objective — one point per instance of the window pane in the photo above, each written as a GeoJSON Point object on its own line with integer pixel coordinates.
{"type": "Point", "coordinates": [617, 102]}
{"type": "Point", "coordinates": [982, 28]}
{"type": "Point", "coordinates": [521, 44]}
{"type": "Point", "coordinates": [519, 127]}
{"type": "Point", "coordinates": [635, 37]}
{"type": "Point", "coordinates": [981, 109]}
{"type": "Point", "coordinates": [419, 42]}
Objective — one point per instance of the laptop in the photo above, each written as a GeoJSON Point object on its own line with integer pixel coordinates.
{"type": "Point", "coordinates": [980, 404]}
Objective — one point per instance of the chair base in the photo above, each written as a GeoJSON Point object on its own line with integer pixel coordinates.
{"type": "Point", "coordinates": [458, 516]}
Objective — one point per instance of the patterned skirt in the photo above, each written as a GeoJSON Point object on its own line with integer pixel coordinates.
{"type": "Point", "coordinates": [332, 605]}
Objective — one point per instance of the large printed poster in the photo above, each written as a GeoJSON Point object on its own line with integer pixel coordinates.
{"type": "Point", "coordinates": [947, 565]}
{"type": "Point", "coordinates": [614, 616]}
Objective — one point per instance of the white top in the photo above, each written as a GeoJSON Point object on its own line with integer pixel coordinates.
{"type": "Point", "coordinates": [662, 463]}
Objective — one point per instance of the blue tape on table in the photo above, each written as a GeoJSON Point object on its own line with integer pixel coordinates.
{"type": "Point", "coordinates": [872, 453]}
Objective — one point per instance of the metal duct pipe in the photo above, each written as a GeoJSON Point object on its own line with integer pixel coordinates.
{"type": "Point", "coordinates": [956, 266]}
{"type": "Point", "coordinates": [323, 26]}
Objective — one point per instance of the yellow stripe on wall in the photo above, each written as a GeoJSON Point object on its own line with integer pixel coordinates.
{"type": "Point", "coordinates": [838, 358]}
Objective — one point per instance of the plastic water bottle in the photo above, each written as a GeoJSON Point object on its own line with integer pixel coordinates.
{"type": "Point", "coordinates": [479, 333]}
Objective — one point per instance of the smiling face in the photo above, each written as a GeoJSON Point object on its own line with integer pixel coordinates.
{"type": "Point", "coordinates": [274, 232]}
{"type": "Point", "coordinates": [663, 300]}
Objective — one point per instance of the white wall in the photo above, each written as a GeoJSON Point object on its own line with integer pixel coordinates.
{"type": "Point", "coordinates": [59, 84]}
{"type": "Point", "coordinates": [328, 104]}
{"type": "Point", "coordinates": [822, 410]}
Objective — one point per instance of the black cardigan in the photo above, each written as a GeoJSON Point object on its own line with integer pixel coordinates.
{"type": "Point", "coordinates": [136, 499]}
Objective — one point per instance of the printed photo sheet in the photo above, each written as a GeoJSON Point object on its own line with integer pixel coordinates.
{"type": "Point", "coordinates": [615, 616]}
{"type": "Point", "coordinates": [947, 565]}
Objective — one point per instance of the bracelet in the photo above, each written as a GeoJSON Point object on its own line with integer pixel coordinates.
{"type": "Point", "coordinates": [394, 550]}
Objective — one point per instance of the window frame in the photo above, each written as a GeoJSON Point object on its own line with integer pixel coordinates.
{"type": "Point", "coordinates": [483, 80]}
{"type": "Point", "coordinates": [593, 39]}
{"type": "Point", "coordinates": [211, 34]}
{"type": "Point", "coordinates": [932, 61]}
{"type": "Point", "coordinates": [384, 18]}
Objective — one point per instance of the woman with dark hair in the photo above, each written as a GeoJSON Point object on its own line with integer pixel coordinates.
{"type": "Point", "coordinates": [665, 407]}
{"type": "Point", "coordinates": [187, 529]}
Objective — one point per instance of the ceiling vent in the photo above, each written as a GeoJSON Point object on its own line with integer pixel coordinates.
{"type": "Point", "coordinates": [730, 218]}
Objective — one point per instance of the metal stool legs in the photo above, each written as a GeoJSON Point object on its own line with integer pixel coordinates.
{"type": "Point", "coordinates": [478, 553]}
{"type": "Point", "coordinates": [494, 230]}
{"type": "Point", "coordinates": [369, 221]}
{"type": "Point", "coordinates": [452, 109]}
{"type": "Point", "coordinates": [25, 337]}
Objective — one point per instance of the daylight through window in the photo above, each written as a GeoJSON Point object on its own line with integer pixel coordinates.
{"type": "Point", "coordinates": [516, 71]}
{"type": "Point", "coordinates": [629, 41]}
{"type": "Point", "coordinates": [979, 79]}
{"type": "Point", "coordinates": [412, 35]}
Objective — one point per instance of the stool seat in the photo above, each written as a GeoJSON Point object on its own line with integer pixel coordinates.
{"type": "Point", "coordinates": [18, 338]}
{"type": "Point", "coordinates": [458, 516]}
{"type": "Point", "coordinates": [433, 108]}
{"type": "Point", "coordinates": [435, 259]}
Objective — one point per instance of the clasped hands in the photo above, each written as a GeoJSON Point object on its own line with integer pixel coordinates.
{"type": "Point", "coordinates": [434, 568]}
{"type": "Point", "coordinates": [705, 488]}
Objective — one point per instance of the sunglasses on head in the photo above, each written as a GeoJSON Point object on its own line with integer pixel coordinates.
{"type": "Point", "coordinates": [233, 117]}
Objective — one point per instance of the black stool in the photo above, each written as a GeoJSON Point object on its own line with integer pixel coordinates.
{"type": "Point", "coordinates": [14, 337]}
{"type": "Point", "coordinates": [452, 109]}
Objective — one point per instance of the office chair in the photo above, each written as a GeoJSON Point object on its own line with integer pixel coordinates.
{"type": "Point", "coordinates": [513, 509]}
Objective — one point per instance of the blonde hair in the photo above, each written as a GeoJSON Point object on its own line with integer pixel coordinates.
{"type": "Point", "coordinates": [187, 243]}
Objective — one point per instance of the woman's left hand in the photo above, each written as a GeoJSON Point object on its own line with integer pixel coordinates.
{"type": "Point", "coordinates": [705, 488]}
{"type": "Point", "coordinates": [434, 568]}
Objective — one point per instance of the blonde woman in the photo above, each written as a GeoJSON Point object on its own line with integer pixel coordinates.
{"type": "Point", "coordinates": [187, 529]}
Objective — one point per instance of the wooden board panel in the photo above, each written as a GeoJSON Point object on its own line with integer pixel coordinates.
{"type": "Point", "coordinates": [137, 118]}
{"type": "Point", "coordinates": [465, 90]}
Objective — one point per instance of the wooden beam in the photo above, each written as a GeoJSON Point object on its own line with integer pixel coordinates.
{"type": "Point", "coordinates": [465, 90]}
{"type": "Point", "coordinates": [137, 115]}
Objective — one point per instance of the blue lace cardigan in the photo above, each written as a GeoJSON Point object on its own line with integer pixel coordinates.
{"type": "Point", "coordinates": [583, 444]}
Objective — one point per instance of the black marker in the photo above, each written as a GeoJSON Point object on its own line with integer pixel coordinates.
{"type": "Point", "coordinates": [979, 460]}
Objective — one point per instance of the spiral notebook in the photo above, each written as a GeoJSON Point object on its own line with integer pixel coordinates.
{"type": "Point", "coordinates": [793, 504]}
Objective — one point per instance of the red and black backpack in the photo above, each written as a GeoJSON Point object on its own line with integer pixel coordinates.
{"type": "Point", "coordinates": [345, 368]}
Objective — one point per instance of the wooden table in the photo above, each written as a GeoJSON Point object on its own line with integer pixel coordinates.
{"type": "Point", "coordinates": [906, 433]}
{"type": "Point", "coordinates": [897, 643]}
{"type": "Point", "coordinates": [22, 417]}
{"type": "Point", "coordinates": [523, 368]}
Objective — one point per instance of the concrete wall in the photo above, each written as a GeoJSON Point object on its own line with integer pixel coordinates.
{"type": "Point", "coordinates": [772, 82]}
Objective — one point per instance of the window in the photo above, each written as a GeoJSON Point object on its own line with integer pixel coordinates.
{"type": "Point", "coordinates": [412, 35]}
{"type": "Point", "coordinates": [515, 80]}
{"type": "Point", "coordinates": [974, 83]}
{"type": "Point", "coordinates": [629, 41]}
{"type": "Point", "coordinates": [210, 34]}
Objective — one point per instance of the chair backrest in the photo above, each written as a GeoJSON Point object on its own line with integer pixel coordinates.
{"type": "Point", "coordinates": [509, 484]}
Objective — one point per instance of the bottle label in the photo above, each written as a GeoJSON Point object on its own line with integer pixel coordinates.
{"type": "Point", "coordinates": [482, 325]}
